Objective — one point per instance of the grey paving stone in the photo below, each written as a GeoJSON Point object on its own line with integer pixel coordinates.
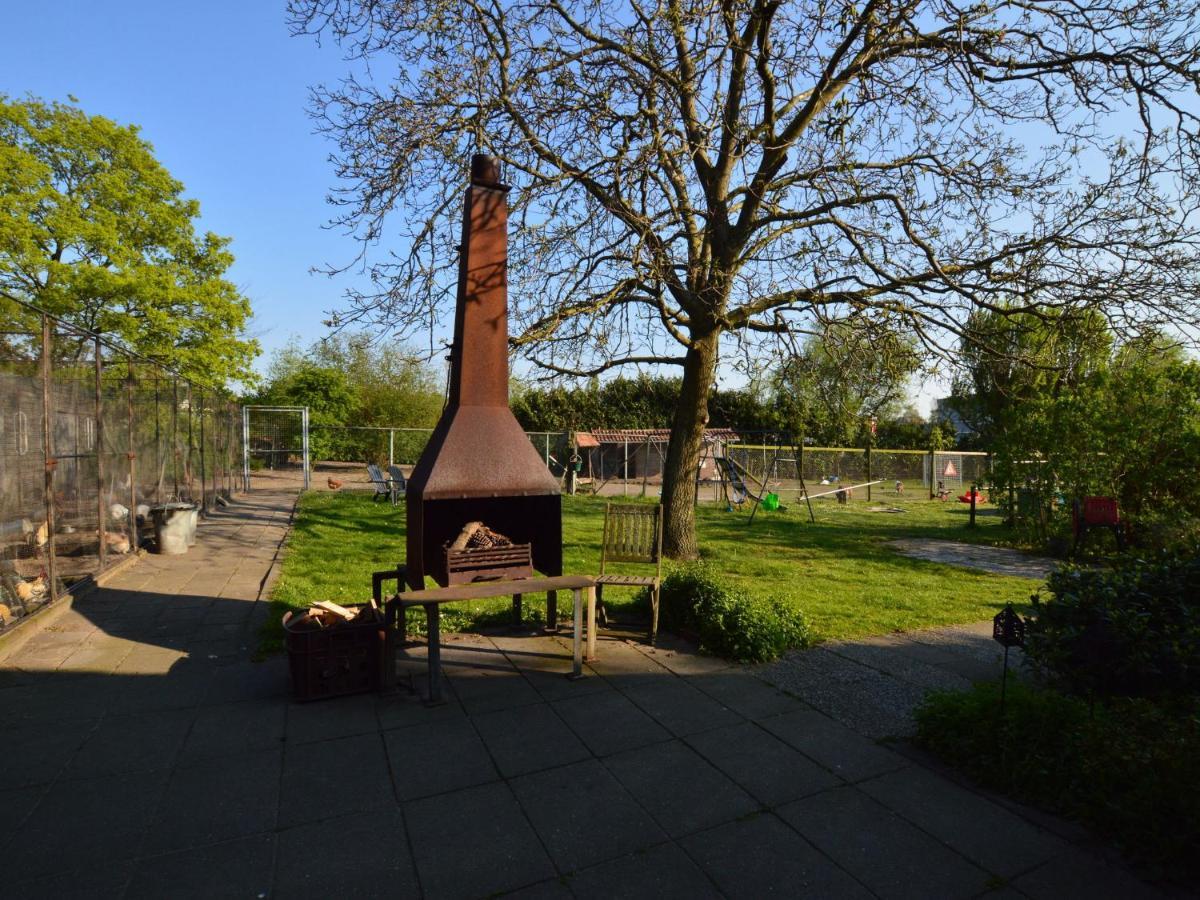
{"type": "Point", "coordinates": [554, 685]}
{"type": "Point", "coordinates": [403, 709]}
{"type": "Point", "coordinates": [101, 881]}
{"type": "Point", "coordinates": [361, 855]}
{"type": "Point", "coordinates": [56, 698]}
{"type": "Point", "coordinates": [765, 766]}
{"type": "Point", "coordinates": [550, 889]}
{"type": "Point", "coordinates": [662, 872]}
{"type": "Point", "coordinates": [35, 753]}
{"type": "Point", "coordinates": [892, 857]}
{"type": "Point", "coordinates": [217, 800]}
{"type": "Point", "coordinates": [608, 722]}
{"type": "Point", "coordinates": [267, 680]}
{"type": "Point", "coordinates": [746, 694]}
{"type": "Point", "coordinates": [17, 804]}
{"type": "Point", "coordinates": [131, 743]}
{"type": "Point", "coordinates": [680, 790]}
{"type": "Point", "coordinates": [333, 718]}
{"type": "Point", "coordinates": [481, 691]}
{"type": "Point", "coordinates": [583, 815]}
{"type": "Point", "coordinates": [679, 707]}
{"type": "Point", "coordinates": [1079, 874]}
{"type": "Point", "coordinates": [443, 755]}
{"type": "Point", "coordinates": [682, 657]}
{"type": "Point", "coordinates": [239, 869]}
{"type": "Point", "coordinates": [985, 833]}
{"type": "Point", "coordinates": [99, 656]}
{"type": "Point", "coordinates": [474, 842]}
{"type": "Point", "coordinates": [624, 665]}
{"type": "Point", "coordinates": [80, 824]}
{"type": "Point", "coordinates": [528, 739]}
{"type": "Point", "coordinates": [183, 688]}
{"type": "Point", "coordinates": [333, 778]}
{"type": "Point", "coordinates": [233, 728]}
{"type": "Point", "coordinates": [761, 857]}
{"type": "Point", "coordinates": [833, 745]}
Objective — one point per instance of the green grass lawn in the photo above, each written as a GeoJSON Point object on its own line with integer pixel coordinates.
{"type": "Point", "coordinates": [839, 571]}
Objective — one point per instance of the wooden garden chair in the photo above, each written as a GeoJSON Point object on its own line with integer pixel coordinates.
{"type": "Point", "coordinates": [632, 534]}
{"type": "Point", "coordinates": [384, 487]}
{"type": "Point", "coordinates": [399, 483]}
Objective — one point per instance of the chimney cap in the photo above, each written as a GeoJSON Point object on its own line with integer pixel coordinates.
{"type": "Point", "coordinates": [485, 170]}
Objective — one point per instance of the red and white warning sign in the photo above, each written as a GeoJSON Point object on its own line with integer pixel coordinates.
{"type": "Point", "coordinates": [950, 472]}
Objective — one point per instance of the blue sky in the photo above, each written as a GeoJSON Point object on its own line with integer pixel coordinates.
{"type": "Point", "coordinates": [220, 89]}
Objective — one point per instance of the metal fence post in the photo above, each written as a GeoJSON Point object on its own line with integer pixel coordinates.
{"type": "Point", "coordinates": [131, 455]}
{"type": "Point", "coordinates": [48, 458]}
{"type": "Point", "coordinates": [101, 506]}
{"type": "Point", "coordinates": [304, 425]}
{"type": "Point", "coordinates": [203, 469]}
{"type": "Point", "coordinates": [625, 478]}
{"type": "Point", "coordinates": [175, 435]}
{"type": "Point", "coordinates": [190, 467]}
{"type": "Point", "coordinates": [391, 447]}
{"type": "Point", "coordinates": [931, 473]}
{"type": "Point", "coordinates": [246, 449]}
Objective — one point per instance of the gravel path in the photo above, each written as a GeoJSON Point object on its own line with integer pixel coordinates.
{"type": "Point", "coordinates": [1000, 560]}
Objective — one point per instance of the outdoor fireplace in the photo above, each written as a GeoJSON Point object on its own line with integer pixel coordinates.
{"type": "Point", "coordinates": [479, 466]}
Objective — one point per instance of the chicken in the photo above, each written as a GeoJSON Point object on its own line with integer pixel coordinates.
{"type": "Point", "coordinates": [334, 484]}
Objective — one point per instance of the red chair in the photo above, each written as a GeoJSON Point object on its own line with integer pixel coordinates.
{"type": "Point", "coordinates": [1097, 512]}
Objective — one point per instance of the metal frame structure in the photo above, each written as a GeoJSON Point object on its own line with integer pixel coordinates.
{"type": "Point", "coordinates": [246, 411]}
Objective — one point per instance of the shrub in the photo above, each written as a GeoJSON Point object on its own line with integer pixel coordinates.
{"type": "Point", "coordinates": [1131, 631]}
{"type": "Point", "coordinates": [728, 621]}
{"type": "Point", "coordinates": [1129, 768]}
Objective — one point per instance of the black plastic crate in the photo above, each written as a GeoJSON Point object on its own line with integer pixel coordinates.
{"type": "Point", "coordinates": [335, 661]}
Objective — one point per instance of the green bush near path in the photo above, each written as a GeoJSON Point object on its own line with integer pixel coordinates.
{"type": "Point", "coordinates": [729, 621]}
{"type": "Point", "coordinates": [839, 572]}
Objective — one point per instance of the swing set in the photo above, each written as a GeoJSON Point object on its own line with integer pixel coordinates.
{"type": "Point", "coordinates": [737, 491]}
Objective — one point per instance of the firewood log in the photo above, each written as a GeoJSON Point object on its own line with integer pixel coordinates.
{"type": "Point", "coordinates": [460, 542]}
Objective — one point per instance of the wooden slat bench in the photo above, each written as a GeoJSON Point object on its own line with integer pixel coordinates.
{"type": "Point", "coordinates": [431, 599]}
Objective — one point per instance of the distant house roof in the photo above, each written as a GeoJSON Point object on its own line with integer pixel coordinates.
{"type": "Point", "coordinates": [598, 436]}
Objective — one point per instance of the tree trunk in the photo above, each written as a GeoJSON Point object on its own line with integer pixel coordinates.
{"type": "Point", "coordinates": [684, 452]}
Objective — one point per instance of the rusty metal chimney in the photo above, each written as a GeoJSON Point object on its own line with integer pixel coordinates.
{"type": "Point", "coordinates": [479, 465]}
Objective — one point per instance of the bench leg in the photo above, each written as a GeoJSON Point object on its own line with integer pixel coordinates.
{"type": "Point", "coordinates": [577, 637]}
{"type": "Point", "coordinates": [433, 625]}
{"type": "Point", "coordinates": [551, 612]}
{"type": "Point", "coordinates": [387, 665]}
{"type": "Point", "coordinates": [600, 608]}
{"type": "Point", "coordinates": [516, 612]}
{"type": "Point", "coordinates": [654, 597]}
{"type": "Point", "coordinates": [591, 622]}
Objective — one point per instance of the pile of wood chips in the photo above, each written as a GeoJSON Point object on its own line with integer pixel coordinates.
{"type": "Point", "coordinates": [477, 536]}
{"type": "Point", "coordinates": [326, 614]}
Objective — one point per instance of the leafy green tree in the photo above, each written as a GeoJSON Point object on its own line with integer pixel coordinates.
{"type": "Point", "coordinates": [1075, 413]}
{"type": "Point", "coordinates": [95, 230]}
{"type": "Point", "coordinates": [845, 375]}
{"type": "Point", "coordinates": [352, 386]}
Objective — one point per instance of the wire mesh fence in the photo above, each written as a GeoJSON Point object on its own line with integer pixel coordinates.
{"type": "Point", "coordinates": [630, 462]}
{"type": "Point", "coordinates": [776, 466]}
{"type": "Point", "coordinates": [92, 438]}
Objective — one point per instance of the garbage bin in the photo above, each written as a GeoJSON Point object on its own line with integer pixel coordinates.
{"type": "Point", "coordinates": [174, 526]}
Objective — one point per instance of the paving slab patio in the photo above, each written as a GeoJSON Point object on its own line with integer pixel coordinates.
{"type": "Point", "coordinates": [146, 754]}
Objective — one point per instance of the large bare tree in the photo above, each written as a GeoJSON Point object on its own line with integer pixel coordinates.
{"type": "Point", "coordinates": [695, 177]}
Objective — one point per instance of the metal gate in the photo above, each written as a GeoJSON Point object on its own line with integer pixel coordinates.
{"type": "Point", "coordinates": [275, 447]}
